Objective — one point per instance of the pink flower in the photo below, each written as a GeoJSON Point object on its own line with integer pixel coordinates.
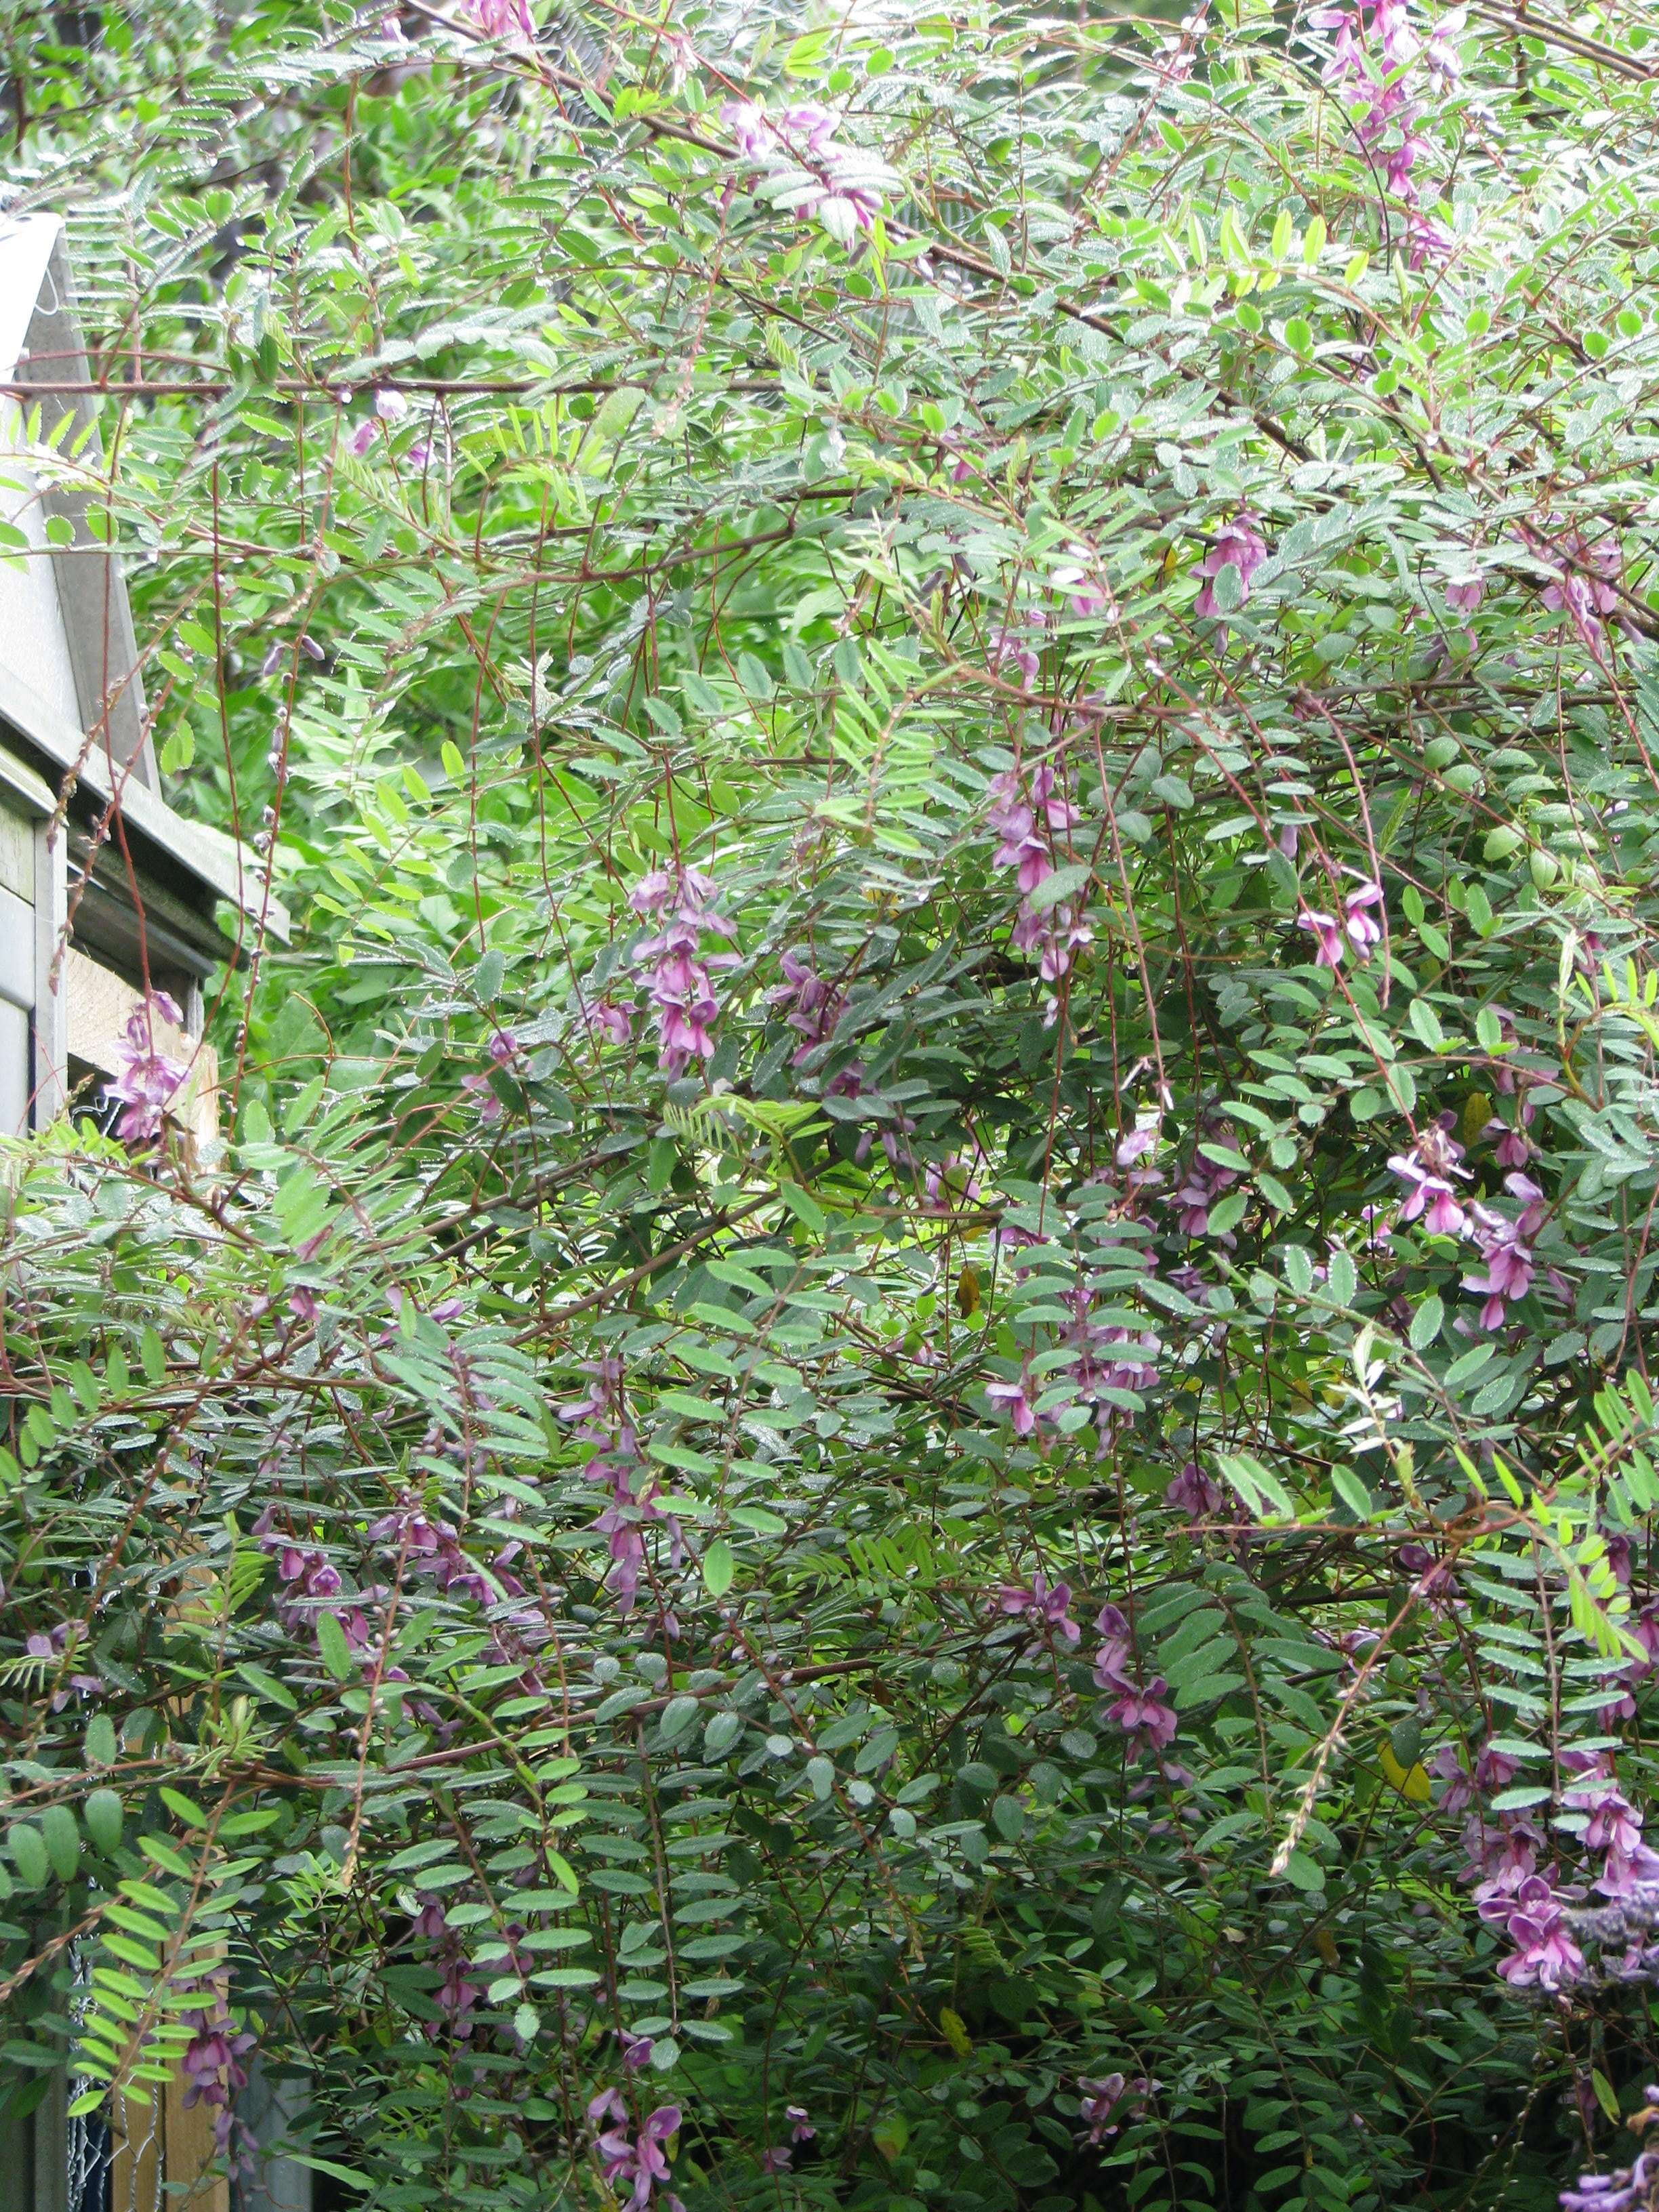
{"type": "Point", "coordinates": [1096, 2100]}
{"type": "Point", "coordinates": [1240, 547]}
{"type": "Point", "coordinates": [1086, 594]}
{"type": "Point", "coordinates": [610, 1021]}
{"type": "Point", "coordinates": [389, 407]}
{"type": "Point", "coordinates": [800, 2127]}
{"type": "Point", "coordinates": [808, 128]}
{"type": "Point", "coordinates": [814, 1008]}
{"type": "Point", "coordinates": [456, 1994]}
{"type": "Point", "coordinates": [1441, 58]}
{"type": "Point", "coordinates": [1147, 1713]}
{"type": "Point", "coordinates": [1327, 933]}
{"type": "Point", "coordinates": [1055, 936]}
{"type": "Point", "coordinates": [750, 127]}
{"type": "Point", "coordinates": [1363, 931]}
{"type": "Point", "coordinates": [490, 1109]}
{"type": "Point", "coordinates": [1494, 1769]}
{"type": "Point", "coordinates": [680, 984]}
{"type": "Point", "coordinates": [1116, 1658]}
{"type": "Point", "coordinates": [1547, 1954]}
{"type": "Point", "coordinates": [1465, 594]}
{"type": "Point", "coordinates": [1614, 1824]}
{"type": "Point", "coordinates": [1431, 1197]}
{"type": "Point", "coordinates": [1446, 1766]}
{"type": "Point", "coordinates": [145, 1080]}
{"type": "Point", "coordinates": [1513, 1149]}
{"type": "Point", "coordinates": [1194, 1492]}
{"type": "Point", "coordinates": [1425, 240]}
{"type": "Point", "coordinates": [1014, 1396]}
{"type": "Point", "coordinates": [1401, 161]}
{"type": "Point", "coordinates": [1050, 1608]}
{"type": "Point", "coordinates": [638, 2159]}
{"type": "Point", "coordinates": [502, 18]}
{"type": "Point", "coordinates": [1584, 589]}
{"type": "Point", "coordinates": [1202, 1182]}
{"type": "Point", "coordinates": [1509, 1264]}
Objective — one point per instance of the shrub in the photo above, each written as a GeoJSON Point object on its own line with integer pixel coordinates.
{"type": "Point", "coordinates": [905, 1455]}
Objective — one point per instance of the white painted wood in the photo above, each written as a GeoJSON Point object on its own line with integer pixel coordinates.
{"type": "Point", "coordinates": [51, 1008]}
{"type": "Point", "coordinates": [17, 949]}
{"type": "Point", "coordinates": [15, 1070]}
{"type": "Point", "coordinates": [65, 625]}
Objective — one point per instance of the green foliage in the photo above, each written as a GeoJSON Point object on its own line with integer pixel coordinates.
{"type": "Point", "coordinates": [961, 792]}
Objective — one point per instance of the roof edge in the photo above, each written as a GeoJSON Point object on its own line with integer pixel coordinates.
{"type": "Point", "coordinates": [217, 862]}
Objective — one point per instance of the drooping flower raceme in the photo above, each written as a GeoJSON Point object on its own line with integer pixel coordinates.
{"type": "Point", "coordinates": [1027, 814]}
{"type": "Point", "coordinates": [676, 971]}
{"type": "Point", "coordinates": [1545, 1952]}
{"type": "Point", "coordinates": [146, 1080]}
{"type": "Point", "coordinates": [808, 171]}
{"type": "Point", "coordinates": [635, 2156]}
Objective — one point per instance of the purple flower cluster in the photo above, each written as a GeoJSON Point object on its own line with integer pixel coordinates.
{"type": "Point", "coordinates": [457, 1993]}
{"type": "Point", "coordinates": [632, 2156]}
{"type": "Point", "coordinates": [433, 1549]}
{"type": "Point", "coordinates": [1242, 548]}
{"type": "Point", "coordinates": [65, 1636]}
{"type": "Point", "coordinates": [1098, 2099]}
{"type": "Point", "coordinates": [390, 407]}
{"type": "Point", "coordinates": [502, 18]}
{"type": "Point", "coordinates": [778, 2157]}
{"type": "Point", "coordinates": [601, 1419]}
{"type": "Point", "coordinates": [1111, 1356]}
{"type": "Point", "coordinates": [811, 1007]}
{"type": "Point", "coordinates": [212, 2063]}
{"type": "Point", "coordinates": [145, 1080]}
{"type": "Point", "coordinates": [1357, 927]}
{"type": "Point", "coordinates": [1536, 1921]}
{"type": "Point", "coordinates": [1046, 1607]}
{"type": "Point", "coordinates": [1512, 1892]}
{"type": "Point", "coordinates": [1614, 1828]}
{"type": "Point", "coordinates": [1633, 2188]}
{"type": "Point", "coordinates": [1585, 585]}
{"type": "Point", "coordinates": [1194, 1493]}
{"type": "Point", "coordinates": [504, 1051]}
{"type": "Point", "coordinates": [309, 1580]}
{"type": "Point", "coordinates": [679, 981]}
{"type": "Point", "coordinates": [1504, 1246]}
{"type": "Point", "coordinates": [1017, 1397]}
{"type": "Point", "coordinates": [1511, 1080]}
{"type": "Point", "coordinates": [1373, 70]}
{"type": "Point", "coordinates": [840, 186]}
{"type": "Point", "coordinates": [1027, 814]}
{"type": "Point", "coordinates": [1202, 1181]}
{"type": "Point", "coordinates": [1142, 1711]}
{"type": "Point", "coordinates": [1644, 1627]}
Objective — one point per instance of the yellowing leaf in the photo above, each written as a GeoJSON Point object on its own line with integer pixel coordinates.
{"type": "Point", "coordinates": [1412, 1784]}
